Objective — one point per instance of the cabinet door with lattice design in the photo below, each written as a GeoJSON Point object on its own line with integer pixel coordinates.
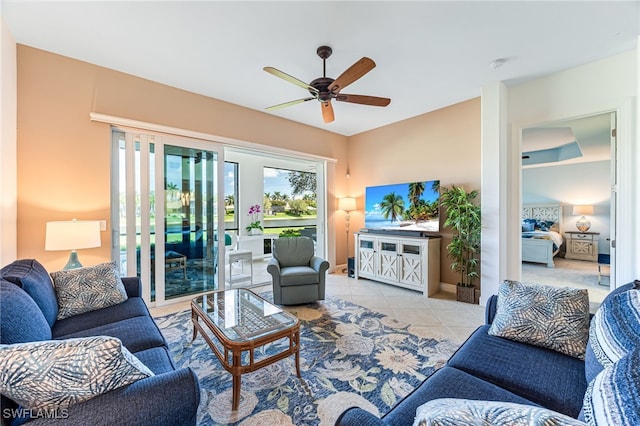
{"type": "Point", "coordinates": [582, 248]}
{"type": "Point", "coordinates": [366, 257]}
{"type": "Point", "coordinates": [411, 264]}
{"type": "Point", "coordinates": [388, 260]}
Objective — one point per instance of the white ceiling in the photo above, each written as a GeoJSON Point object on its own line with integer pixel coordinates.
{"type": "Point", "coordinates": [429, 54]}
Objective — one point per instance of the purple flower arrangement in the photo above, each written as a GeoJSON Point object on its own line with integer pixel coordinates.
{"type": "Point", "coordinates": [254, 213]}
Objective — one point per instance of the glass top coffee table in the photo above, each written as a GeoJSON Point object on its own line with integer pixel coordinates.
{"type": "Point", "coordinates": [241, 322]}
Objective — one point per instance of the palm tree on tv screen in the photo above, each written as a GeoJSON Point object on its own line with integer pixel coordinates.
{"type": "Point", "coordinates": [417, 208]}
{"type": "Point", "coordinates": [392, 206]}
{"type": "Point", "coordinates": [416, 189]}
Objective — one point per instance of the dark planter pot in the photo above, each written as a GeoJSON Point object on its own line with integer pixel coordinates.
{"type": "Point", "coordinates": [466, 294]}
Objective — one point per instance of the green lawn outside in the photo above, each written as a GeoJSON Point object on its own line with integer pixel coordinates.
{"type": "Point", "coordinates": [175, 222]}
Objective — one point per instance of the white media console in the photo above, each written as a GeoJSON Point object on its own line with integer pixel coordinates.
{"type": "Point", "coordinates": [404, 261]}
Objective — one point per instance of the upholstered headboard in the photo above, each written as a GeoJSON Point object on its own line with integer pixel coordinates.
{"type": "Point", "coordinates": [547, 212]}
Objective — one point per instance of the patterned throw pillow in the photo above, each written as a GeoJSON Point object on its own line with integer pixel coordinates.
{"type": "Point", "coordinates": [615, 329]}
{"type": "Point", "coordinates": [543, 225]}
{"type": "Point", "coordinates": [59, 373]}
{"type": "Point", "coordinates": [612, 397]}
{"type": "Point", "coordinates": [450, 411]}
{"type": "Point", "coordinates": [551, 317]}
{"type": "Point", "coordinates": [88, 289]}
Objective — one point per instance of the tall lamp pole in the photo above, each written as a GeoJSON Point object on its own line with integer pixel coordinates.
{"type": "Point", "coordinates": [347, 204]}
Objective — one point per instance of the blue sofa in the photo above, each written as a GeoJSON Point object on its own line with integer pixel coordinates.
{"type": "Point", "coordinates": [489, 368]}
{"type": "Point", "coordinates": [28, 313]}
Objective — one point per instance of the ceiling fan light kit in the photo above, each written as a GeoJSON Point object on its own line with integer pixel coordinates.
{"type": "Point", "coordinates": [324, 88]}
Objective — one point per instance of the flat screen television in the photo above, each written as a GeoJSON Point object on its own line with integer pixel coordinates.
{"type": "Point", "coordinates": [412, 206]}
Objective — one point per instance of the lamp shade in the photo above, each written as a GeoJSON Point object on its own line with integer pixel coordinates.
{"type": "Point", "coordinates": [72, 235]}
{"type": "Point", "coordinates": [347, 204]}
{"type": "Point", "coordinates": [582, 210]}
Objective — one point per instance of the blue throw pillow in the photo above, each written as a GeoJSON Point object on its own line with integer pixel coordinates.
{"type": "Point", "coordinates": [34, 279]}
{"type": "Point", "coordinates": [612, 398]}
{"type": "Point", "coordinates": [528, 225]}
{"type": "Point", "coordinates": [614, 330]}
{"type": "Point", "coordinates": [21, 320]}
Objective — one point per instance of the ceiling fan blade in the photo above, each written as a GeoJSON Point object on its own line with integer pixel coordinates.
{"type": "Point", "coordinates": [353, 73]}
{"type": "Point", "coordinates": [286, 104]}
{"type": "Point", "coordinates": [327, 112]}
{"type": "Point", "coordinates": [290, 79]}
{"type": "Point", "coordinates": [365, 100]}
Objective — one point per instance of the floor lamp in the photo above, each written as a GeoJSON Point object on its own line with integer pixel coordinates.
{"type": "Point", "coordinates": [348, 204]}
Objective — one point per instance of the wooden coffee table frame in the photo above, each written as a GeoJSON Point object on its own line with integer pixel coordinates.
{"type": "Point", "coordinates": [237, 348]}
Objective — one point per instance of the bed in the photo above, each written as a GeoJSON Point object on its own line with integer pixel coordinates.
{"type": "Point", "coordinates": [542, 243]}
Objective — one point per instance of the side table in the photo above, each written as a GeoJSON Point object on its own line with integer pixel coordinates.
{"type": "Point", "coordinates": [582, 246]}
{"type": "Point", "coordinates": [242, 256]}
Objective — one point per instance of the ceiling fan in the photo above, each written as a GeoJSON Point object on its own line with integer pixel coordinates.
{"type": "Point", "coordinates": [324, 88]}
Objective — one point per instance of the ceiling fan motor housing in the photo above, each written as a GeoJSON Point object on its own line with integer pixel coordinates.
{"type": "Point", "coordinates": [321, 84]}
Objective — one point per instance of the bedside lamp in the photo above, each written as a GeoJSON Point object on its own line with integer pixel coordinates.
{"type": "Point", "coordinates": [583, 224]}
{"type": "Point", "coordinates": [72, 235]}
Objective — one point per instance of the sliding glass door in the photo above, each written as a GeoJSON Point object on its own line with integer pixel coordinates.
{"type": "Point", "coordinates": [167, 213]}
{"type": "Point", "coordinates": [190, 218]}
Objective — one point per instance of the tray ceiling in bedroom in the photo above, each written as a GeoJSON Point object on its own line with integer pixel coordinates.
{"type": "Point", "coordinates": [573, 141]}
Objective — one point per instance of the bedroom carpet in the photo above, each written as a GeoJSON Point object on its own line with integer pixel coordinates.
{"type": "Point", "coordinates": [569, 273]}
{"type": "Point", "coordinates": [349, 356]}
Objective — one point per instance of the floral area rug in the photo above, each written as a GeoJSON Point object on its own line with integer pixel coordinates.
{"type": "Point", "coordinates": [349, 356]}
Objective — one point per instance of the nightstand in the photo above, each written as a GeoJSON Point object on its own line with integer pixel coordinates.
{"type": "Point", "coordinates": [582, 246]}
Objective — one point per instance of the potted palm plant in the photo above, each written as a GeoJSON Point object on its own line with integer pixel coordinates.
{"type": "Point", "coordinates": [463, 218]}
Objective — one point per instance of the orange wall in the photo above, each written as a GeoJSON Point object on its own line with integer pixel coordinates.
{"type": "Point", "coordinates": [443, 144]}
{"type": "Point", "coordinates": [64, 159]}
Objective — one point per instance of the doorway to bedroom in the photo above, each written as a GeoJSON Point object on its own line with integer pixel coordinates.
{"type": "Point", "coordinates": [571, 164]}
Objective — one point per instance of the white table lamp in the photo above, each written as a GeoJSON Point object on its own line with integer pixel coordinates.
{"type": "Point", "coordinates": [72, 235]}
{"type": "Point", "coordinates": [583, 224]}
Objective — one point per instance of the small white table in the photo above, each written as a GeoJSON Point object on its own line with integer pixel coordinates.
{"type": "Point", "coordinates": [256, 244]}
{"type": "Point", "coordinates": [242, 256]}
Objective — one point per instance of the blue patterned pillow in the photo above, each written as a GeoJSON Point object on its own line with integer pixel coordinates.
{"type": "Point", "coordinates": [552, 317]}
{"type": "Point", "coordinates": [613, 397]}
{"type": "Point", "coordinates": [450, 411]}
{"type": "Point", "coordinates": [615, 329]}
{"type": "Point", "coordinates": [59, 373]}
{"type": "Point", "coordinates": [88, 289]}
{"type": "Point", "coordinates": [543, 225]}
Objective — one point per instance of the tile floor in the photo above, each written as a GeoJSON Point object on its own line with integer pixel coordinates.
{"type": "Point", "coordinates": [441, 313]}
